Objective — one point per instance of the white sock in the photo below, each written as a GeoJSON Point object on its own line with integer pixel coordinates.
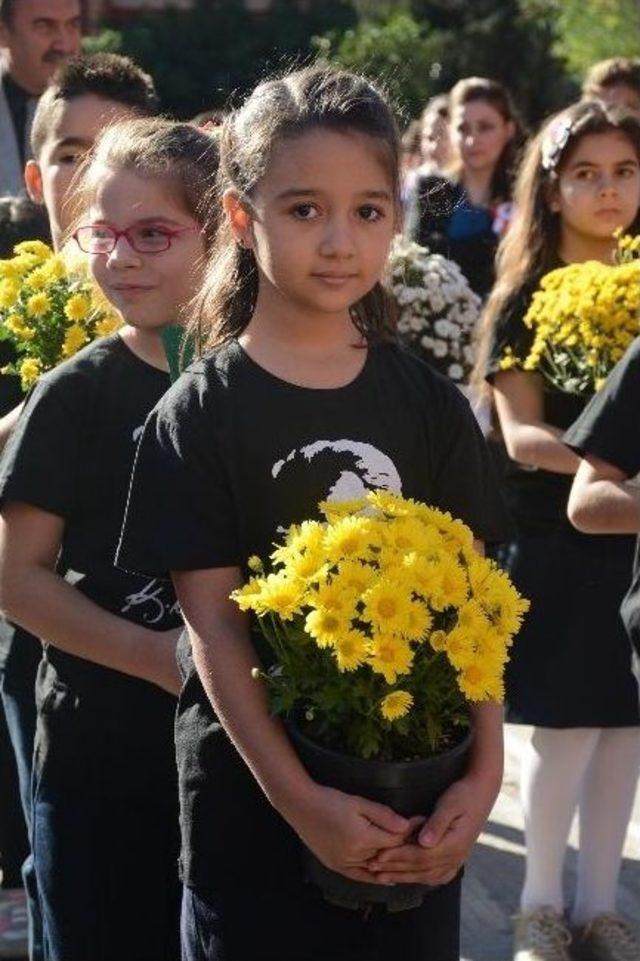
{"type": "Point", "coordinates": [606, 803]}
{"type": "Point", "coordinates": [554, 764]}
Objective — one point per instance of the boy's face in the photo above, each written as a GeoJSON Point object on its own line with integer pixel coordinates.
{"type": "Point", "coordinates": [75, 126]}
{"type": "Point", "coordinates": [41, 34]}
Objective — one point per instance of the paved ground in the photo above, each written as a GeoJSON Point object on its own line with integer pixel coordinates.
{"type": "Point", "coordinates": [494, 875]}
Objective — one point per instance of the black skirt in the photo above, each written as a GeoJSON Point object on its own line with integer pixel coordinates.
{"type": "Point", "coordinates": [571, 663]}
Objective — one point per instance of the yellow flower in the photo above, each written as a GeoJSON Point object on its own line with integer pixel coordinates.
{"type": "Point", "coordinates": [387, 606]}
{"type": "Point", "coordinates": [280, 595]}
{"type": "Point", "coordinates": [34, 248]}
{"type": "Point", "coordinates": [255, 564]}
{"type": "Point", "coordinates": [30, 369]}
{"type": "Point", "coordinates": [333, 597]}
{"type": "Point", "coordinates": [335, 510]}
{"type": "Point", "coordinates": [75, 337]}
{"type": "Point", "coordinates": [9, 292]}
{"type": "Point", "coordinates": [55, 268]}
{"type": "Point", "coordinates": [38, 279]}
{"type": "Point", "coordinates": [8, 270]}
{"type": "Point", "coordinates": [354, 577]}
{"type": "Point", "coordinates": [248, 596]}
{"type": "Point", "coordinates": [389, 503]}
{"type": "Point", "coordinates": [460, 647]}
{"type": "Point", "coordinates": [478, 683]}
{"type": "Point", "coordinates": [408, 535]}
{"type": "Point", "coordinates": [108, 325]}
{"type": "Point", "coordinates": [438, 640]}
{"type": "Point", "coordinates": [423, 575]}
{"type": "Point", "coordinates": [350, 650]}
{"type": "Point", "coordinates": [77, 307]}
{"type": "Point", "coordinates": [347, 537]}
{"type": "Point", "coordinates": [326, 627]}
{"type": "Point", "coordinates": [390, 656]}
{"type": "Point", "coordinates": [396, 705]}
{"type": "Point", "coordinates": [454, 587]}
{"type": "Point", "coordinates": [38, 305]}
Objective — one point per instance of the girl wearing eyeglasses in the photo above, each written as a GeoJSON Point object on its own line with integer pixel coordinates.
{"type": "Point", "coordinates": [105, 827]}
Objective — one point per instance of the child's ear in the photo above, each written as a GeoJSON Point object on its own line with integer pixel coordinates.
{"type": "Point", "coordinates": [33, 181]}
{"type": "Point", "coordinates": [239, 218]}
{"type": "Point", "coordinates": [553, 199]}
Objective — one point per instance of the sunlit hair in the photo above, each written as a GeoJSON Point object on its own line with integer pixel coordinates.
{"type": "Point", "coordinates": [471, 90]}
{"type": "Point", "coordinates": [182, 156]}
{"type": "Point", "coordinates": [530, 246]}
{"type": "Point", "coordinates": [438, 105]}
{"type": "Point", "coordinates": [286, 108]}
{"type": "Point", "coordinates": [617, 71]}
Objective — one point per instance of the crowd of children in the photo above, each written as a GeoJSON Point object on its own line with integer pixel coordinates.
{"type": "Point", "coordinates": [146, 751]}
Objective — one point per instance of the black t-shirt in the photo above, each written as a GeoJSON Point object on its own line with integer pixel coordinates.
{"type": "Point", "coordinates": [71, 455]}
{"type": "Point", "coordinates": [608, 428]}
{"type": "Point", "coordinates": [231, 456]}
{"type": "Point", "coordinates": [537, 498]}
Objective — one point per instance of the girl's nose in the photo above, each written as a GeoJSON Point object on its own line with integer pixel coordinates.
{"type": "Point", "coordinates": [607, 184]}
{"type": "Point", "coordinates": [123, 254]}
{"type": "Point", "coordinates": [337, 239]}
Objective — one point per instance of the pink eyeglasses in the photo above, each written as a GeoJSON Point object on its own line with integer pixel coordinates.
{"type": "Point", "coordinates": [143, 238]}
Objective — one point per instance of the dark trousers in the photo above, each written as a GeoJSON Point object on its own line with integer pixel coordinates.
{"type": "Point", "coordinates": [17, 685]}
{"type": "Point", "coordinates": [300, 926]}
{"type": "Point", "coordinates": [105, 837]}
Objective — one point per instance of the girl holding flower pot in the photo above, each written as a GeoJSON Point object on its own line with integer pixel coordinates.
{"type": "Point", "coordinates": [570, 674]}
{"type": "Point", "coordinates": [301, 396]}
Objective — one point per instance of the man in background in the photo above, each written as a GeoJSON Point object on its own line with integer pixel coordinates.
{"type": "Point", "coordinates": [35, 37]}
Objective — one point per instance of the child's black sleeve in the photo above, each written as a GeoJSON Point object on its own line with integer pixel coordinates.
{"type": "Point", "coordinates": [466, 481]}
{"type": "Point", "coordinates": [608, 427]}
{"type": "Point", "coordinates": [42, 461]}
{"type": "Point", "coordinates": [510, 336]}
{"type": "Point", "coordinates": [180, 511]}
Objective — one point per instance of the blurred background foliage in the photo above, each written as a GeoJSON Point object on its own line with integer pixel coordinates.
{"type": "Point", "coordinates": [210, 56]}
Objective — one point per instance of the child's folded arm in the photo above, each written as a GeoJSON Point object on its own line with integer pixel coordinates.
{"type": "Point", "coordinates": [342, 830]}
{"type": "Point", "coordinates": [602, 501]}
{"type": "Point", "coordinates": [38, 599]}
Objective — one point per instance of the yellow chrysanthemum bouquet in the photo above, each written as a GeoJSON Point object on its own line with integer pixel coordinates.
{"type": "Point", "coordinates": [384, 623]}
{"type": "Point", "coordinates": [584, 316]}
{"type": "Point", "coordinates": [49, 309]}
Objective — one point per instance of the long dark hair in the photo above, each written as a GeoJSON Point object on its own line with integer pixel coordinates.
{"type": "Point", "coordinates": [530, 246]}
{"type": "Point", "coordinates": [314, 98]}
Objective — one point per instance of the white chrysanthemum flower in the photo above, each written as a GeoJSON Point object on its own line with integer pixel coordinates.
{"type": "Point", "coordinates": [455, 371]}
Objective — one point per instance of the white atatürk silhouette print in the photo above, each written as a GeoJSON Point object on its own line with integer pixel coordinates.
{"type": "Point", "coordinates": [359, 467]}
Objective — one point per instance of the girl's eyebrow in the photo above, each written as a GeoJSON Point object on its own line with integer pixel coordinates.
{"type": "Point", "coordinates": [591, 164]}
{"type": "Point", "coordinates": [293, 192]}
{"type": "Point", "coordinates": [156, 220]}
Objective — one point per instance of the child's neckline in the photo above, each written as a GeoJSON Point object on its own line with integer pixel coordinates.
{"type": "Point", "coordinates": [124, 346]}
{"type": "Point", "coordinates": [275, 378]}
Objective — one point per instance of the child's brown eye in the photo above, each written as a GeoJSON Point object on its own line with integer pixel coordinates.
{"type": "Point", "coordinates": [370, 214]}
{"type": "Point", "coordinates": [305, 212]}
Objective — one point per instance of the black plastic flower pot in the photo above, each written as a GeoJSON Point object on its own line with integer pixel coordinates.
{"type": "Point", "coordinates": [408, 787]}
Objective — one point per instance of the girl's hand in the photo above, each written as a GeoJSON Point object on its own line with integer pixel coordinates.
{"type": "Point", "coordinates": [344, 831]}
{"type": "Point", "coordinates": [445, 840]}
